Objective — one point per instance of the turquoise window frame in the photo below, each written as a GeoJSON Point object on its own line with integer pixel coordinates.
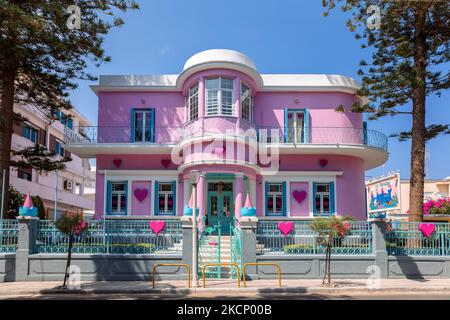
{"type": "Point", "coordinates": [156, 198]}
{"type": "Point", "coordinates": [28, 133]}
{"type": "Point", "coordinates": [59, 148]}
{"type": "Point", "coordinates": [266, 198]}
{"type": "Point", "coordinates": [306, 128]}
{"type": "Point", "coordinates": [332, 199]}
{"type": "Point", "coordinates": [109, 199]}
{"type": "Point", "coordinates": [152, 124]}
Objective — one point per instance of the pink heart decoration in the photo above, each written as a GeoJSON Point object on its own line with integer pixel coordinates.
{"type": "Point", "coordinates": [165, 162]}
{"type": "Point", "coordinates": [117, 162]}
{"type": "Point", "coordinates": [299, 196]}
{"type": "Point", "coordinates": [140, 194]}
{"type": "Point", "coordinates": [427, 229]}
{"type": "Point", "coordinates": [157, 226]}
{"type": "Point", "coordinates": [285, 227]}
{"type": "Point", "coordinates": [323, 162]}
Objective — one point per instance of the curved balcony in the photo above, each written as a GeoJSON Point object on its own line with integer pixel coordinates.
{"type": "Point", "coordinates": [370, 145]}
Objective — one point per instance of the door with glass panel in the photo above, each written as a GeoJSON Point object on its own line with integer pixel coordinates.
{"type": "Point", "coordinates": [220, 205]}
{"type": "Point", "coordinates": [295, 126]}
{"type": "Point", "coordinates": [143, 125]}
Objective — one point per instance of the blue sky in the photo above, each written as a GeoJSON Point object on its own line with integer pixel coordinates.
{"type": "Point", "coordinates": [279, 36]}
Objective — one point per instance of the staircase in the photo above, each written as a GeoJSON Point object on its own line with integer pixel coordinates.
{"type": "Point", "coordinates": [209, 253]}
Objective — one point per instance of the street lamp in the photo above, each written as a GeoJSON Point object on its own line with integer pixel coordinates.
{"type": "Point", "coordinates": [194, 178]}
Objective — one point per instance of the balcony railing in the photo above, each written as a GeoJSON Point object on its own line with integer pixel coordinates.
{"type": "Point", "coordinates": [264, 134]}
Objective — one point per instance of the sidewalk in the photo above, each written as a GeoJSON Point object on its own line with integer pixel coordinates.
{"type": "Point", "coordinates": [305, 286]}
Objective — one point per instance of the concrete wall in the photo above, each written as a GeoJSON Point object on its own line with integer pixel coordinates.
{"type": "Point", "coordinates": [7, 267]}
{"type": "Point", "coordinates": [105, 267]}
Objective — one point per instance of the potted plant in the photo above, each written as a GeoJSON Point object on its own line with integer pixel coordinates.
{"type": "Point", "coordinates": [437, 210]}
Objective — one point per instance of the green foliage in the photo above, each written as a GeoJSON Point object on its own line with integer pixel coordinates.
{"type": "Point", "coordinates": [390, 78]}
{"type": "Point", "coordinates": [15, 200]}
{"type": "Point", "coordinates": [37, 203]}
{"type": "Point", "coordinates": [39, 158]}
{"type": "Point", "coordinates": [71, 224]}
{"type": "Point", "coordinates": [331, 227]}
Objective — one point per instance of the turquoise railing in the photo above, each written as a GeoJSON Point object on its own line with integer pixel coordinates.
{"type": "Point", "coordinates": [235, 247]}
{"type": "Point", "coordinates": [9, 232]}
{"type": "Point", "coordinates": [303, 240]}
{"type": "Point", "coordinates": [264, 134]}
{"type": "Point", "coordinates": [209, 250]}
{"type": "Point", "coordinates": [114, 237]}
{"type": "Point", "coordinates": [405, 238]}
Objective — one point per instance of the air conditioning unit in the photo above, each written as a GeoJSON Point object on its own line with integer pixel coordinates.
{"type": "Point", "coordinates": [68, 185]}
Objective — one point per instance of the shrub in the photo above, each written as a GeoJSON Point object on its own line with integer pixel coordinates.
{"type": "Point", "coordinates": [441, 206]}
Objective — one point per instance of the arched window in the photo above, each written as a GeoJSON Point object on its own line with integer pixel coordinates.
{"type": "Point", "coordinates": [192, 102]}
{"type": "Point", "coordinates": [246, 102]}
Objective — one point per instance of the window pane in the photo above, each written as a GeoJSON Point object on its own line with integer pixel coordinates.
{"type": "Point", "coordinates": [226, 83]}
{"type": "Point", "coordinates": [326, 204]}
{"type": "Point", "coordinates": [170, 203]}
{"type": "Point", "coordinates": [279, 203]}
{"type": "Point", "coordinates": [212, 83]}
{"type": "Point", "coordinates": [227, 102]}
{"type": "Point", "coordinates": [211, 102]}
{"type": "Point", "coordinates": [317, 204]}
{"type": "Point", "coordinates": [138, 126]}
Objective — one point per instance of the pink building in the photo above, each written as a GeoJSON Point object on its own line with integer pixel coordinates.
{"type": "Point", "coordinates": [274, 137]}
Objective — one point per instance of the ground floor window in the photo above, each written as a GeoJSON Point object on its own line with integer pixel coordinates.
{"type": "Point", "coordinates": [323, 194]}
{"type": "Point", "coordinates": [117, 197]}
{"type": "Point", "coordinates": [165, 198]}
{"type": "Point", "coordinates": [275, 195]}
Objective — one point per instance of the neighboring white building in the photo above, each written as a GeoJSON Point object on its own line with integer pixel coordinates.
{"type": "Point", "coordinates": [68, 185]}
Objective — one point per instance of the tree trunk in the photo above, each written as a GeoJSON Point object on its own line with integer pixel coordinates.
{"type": "Point", "coordinates": [69, 260]}
{"type": "Point", "coordinates": [418, 121]}
{"type": "Point", "coordinates": [6, 126]}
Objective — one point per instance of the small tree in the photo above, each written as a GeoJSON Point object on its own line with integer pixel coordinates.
{"type": "Point", "coordinates": [15, 200]}
{"type": "Point", "coordinates": [72, 225]}
{"type": "Point", "coordinates": [328, 230]}
{"type": "Point", "coordinates": [37, 202]}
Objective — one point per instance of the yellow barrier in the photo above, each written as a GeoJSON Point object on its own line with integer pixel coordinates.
{"type": "Point", "coordinates": [221, 265]}
{"type": "Point", "coordinates": [262, 264]}
{"type": "Point", "coordinates": [172, 265]}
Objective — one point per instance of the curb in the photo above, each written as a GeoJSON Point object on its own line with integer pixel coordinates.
{"type": "Point", "coordinates": [263, 290]}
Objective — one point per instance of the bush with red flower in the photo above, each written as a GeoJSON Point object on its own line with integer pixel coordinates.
{"type": "Point", "coordinates": [440, 206]}
{"type": "Point", "coordinates": [73, 226]}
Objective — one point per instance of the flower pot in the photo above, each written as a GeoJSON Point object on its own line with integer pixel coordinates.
{"type": "Point", "coordinates": [189, 211]}
{"type": "Point", "coordinates": [248, 212]}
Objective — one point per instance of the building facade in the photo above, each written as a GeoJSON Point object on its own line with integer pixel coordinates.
{"type": "Point", "coordinates": [275, 139]}
{"type": "Point", "coordinates": [434, 189]}
{"type": "Point", "coordinates": [66, 187]}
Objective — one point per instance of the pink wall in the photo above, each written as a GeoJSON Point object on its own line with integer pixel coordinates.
{"type": "Point", "coordinates": [137, 207]}
{"type": "Point", "coordinates": [269, 108]}
{"type": "Point", "coordinates": [299, 209]}
{"type": "Point", "coordinates": [134, 162]}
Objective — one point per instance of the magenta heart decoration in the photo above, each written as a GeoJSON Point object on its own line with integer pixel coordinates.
{"type": "Point", "coordinates": [117, 162]}
{"type": "Point", "coordinates": [157, 226]}
{"type": "Point", "coordinates": [141, 194]}
{"type": "Point", "coordinates": [165, 162]}
{"type": "Point", "coordinates": [427, 229]}
{"type": "Point", "coordinates": [323, 162]}
{"type": "Point", "coordinates": [299, 196]}
{"type": "Point", "coordinates": [285, 227]}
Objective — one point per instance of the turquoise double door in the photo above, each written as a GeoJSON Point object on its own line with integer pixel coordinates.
{"type": "Point", "coordinates": [220, 209]}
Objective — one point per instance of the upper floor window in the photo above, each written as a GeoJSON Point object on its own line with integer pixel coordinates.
{"type": "Point", "coordinates": [246, 102]}
{"type": "Point", "coordinates": [219, 96]}
{"type": "Point", "coordinates": [143, 125]}
{"type": "Point", "coordinates": [66, 120]}
{"type": "Point", "coordinates": [25, 173]}
{"type": "Point", "coordinates": [323, 198]}
{"type": "Point", "coordinates": [30, 133]}
{"type": "Point", "coordinates": [193, 102]}
{"type": "Point", "coordinates": [59, 149]}
{"type": "Point", "coordinates": [296, 126]}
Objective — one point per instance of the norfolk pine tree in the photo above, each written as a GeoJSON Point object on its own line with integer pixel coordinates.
{"type": "Point", "coordinates": [406, 53]}
{"type": "Point", "coordinates": [41, 58]}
